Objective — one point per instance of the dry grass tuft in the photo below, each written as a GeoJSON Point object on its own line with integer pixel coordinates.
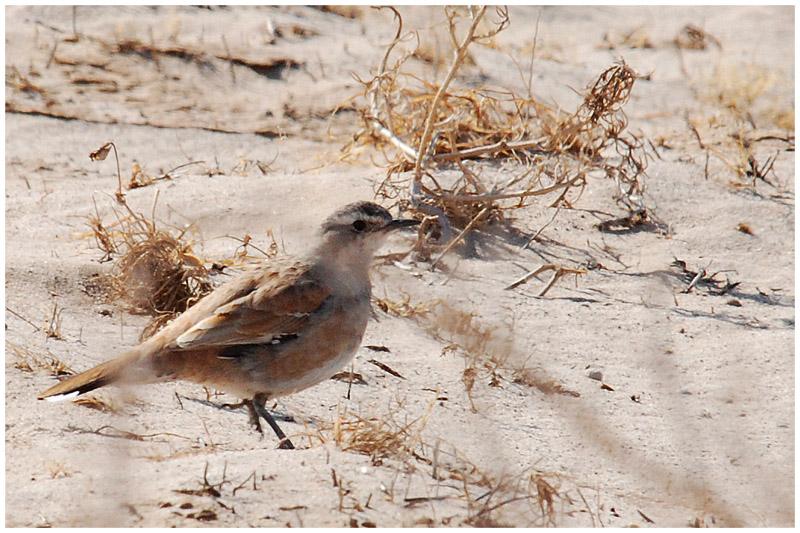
{"type": "Point", "coordinates": [463, 330]}
{"type": "Point", "coordinates": [404, 308]}
{"type": "Point", "coordinates": [692, 37]}
{"type": "Point", "coordinates": [635, 38]}
{"type": "Point", "coordinates": [737, 86]}
{"type": "Point", "coordinates": [378, 437]}
{"type": "Point", "coordinates": [528, 497]}
{"type": "Point", "coordinates": [156, 271]}
{"type": "Point", "coordinates": [782, 117]}
{"type": "Point", "coordinates": [58, 470]}
{"type": "Point", "coordinates": [20, 82]}
{"type": "Point", "coordinates": [737, 136]}
{"type": "Point", "coordinates": [97, 403]}
{"type": "Point", "coordinates": [350, 12]}
{"type": "Point", "coordinates": [531, 378]}
{"type": "Point", "coordinates": [29, 361]}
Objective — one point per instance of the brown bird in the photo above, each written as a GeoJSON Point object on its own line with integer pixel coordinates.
{"type": "Point", "coordinates": [286, 326]}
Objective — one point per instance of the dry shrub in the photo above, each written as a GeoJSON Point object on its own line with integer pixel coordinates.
{"type": "Point", "coordinates": [595, 135]}
{"type": "Point", "coordinates": [430, 125]}
{"type": "Point", "coordinates": [379, 437]}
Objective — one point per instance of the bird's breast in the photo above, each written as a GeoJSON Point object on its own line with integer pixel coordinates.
{"type": "Point", "coordinates": [319, 351]}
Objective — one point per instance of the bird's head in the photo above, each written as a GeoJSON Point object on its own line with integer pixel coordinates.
{"type": "Point", "coordinates": [359, 229]}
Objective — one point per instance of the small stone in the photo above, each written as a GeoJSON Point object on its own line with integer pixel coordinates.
{"type": "Point", "coordinates": [596, 375]}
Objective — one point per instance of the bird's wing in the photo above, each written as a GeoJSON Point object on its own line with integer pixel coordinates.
{"type": "Point", "coordinates": [279, 304]}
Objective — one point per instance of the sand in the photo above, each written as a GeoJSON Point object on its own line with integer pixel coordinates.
{"type": "Point", "coordinates": [691, 421]}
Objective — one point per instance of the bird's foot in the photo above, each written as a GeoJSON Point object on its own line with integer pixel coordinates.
{"type": "Point", "coordinates": [259, 408]}
{"type": "Point", "coordinates": [233, 406]}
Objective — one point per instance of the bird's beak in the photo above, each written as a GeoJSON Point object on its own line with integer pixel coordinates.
{"type": "Point", "coordinates": [400, 223]}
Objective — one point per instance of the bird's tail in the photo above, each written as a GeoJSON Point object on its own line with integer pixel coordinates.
{"type": "Point", "coordinates": [94, 378]}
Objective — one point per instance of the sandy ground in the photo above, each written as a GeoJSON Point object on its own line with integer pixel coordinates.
{"type": "Point", "coordinates": [693, 422]}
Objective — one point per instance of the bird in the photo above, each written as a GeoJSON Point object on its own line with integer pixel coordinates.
{"type": "Point", "coordinates": [289, 324]}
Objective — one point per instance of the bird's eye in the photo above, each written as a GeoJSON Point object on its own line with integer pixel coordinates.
{"type": "Point", "coordinates": [359, 225]}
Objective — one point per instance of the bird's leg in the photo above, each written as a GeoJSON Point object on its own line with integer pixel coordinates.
{"type": "Point", "coordinates": [258, 403]}
{"type": "Point", "coordinates": [253, 415]}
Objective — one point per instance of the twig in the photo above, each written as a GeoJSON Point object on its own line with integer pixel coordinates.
{"type": "Point", "coordinates": [559, 271]}
{"type": "Point", "coordinates": [247, 243]}
{"type": "Point", "coordinates": [697, 278]}
{"type": "Point", "coordinates": [469, 198]}
{"type": "Point", "coordinates": [536, 235]}
{"type": "Point", "coordinates": [122, 434]}
{"type": "Point", "coordinates": [37, 328]}
{"type": "Point", "coordinates": [377, 126]}
{"type": "Point", "coordinates": [386, 368]}
{"type": "Point", "coordinates": [229, 58]}
{"type": "Point", "coordinates": [696, 133]}
{"type": "Point", "coordinates": [452, 243]}
{"type": "Point", "coordinates": [99, 155]}
{"type": "Point", "coordinates": [536, 145]}
{"type": "Point", "coordinates": [425, 141]}
{"type": "Point", "coordinates": [242, 484]}
{"type": "Point", "coordinates": [170, 171]}
{"type": "Point", "coordinates": [529, 275]}
{"type": "Point", "coordinates": [52, 55]}
{"type": "Point", "coordinates": [390, 136]}
{"type": "Point", "coordinates": [588, 508]}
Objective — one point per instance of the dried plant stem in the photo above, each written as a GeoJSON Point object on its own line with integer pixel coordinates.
{"type": "Point", "coordinates": [536, 235]}
{"type": "Point", "coordinates": [377, 126]}
{"type": "Point", "coordinates": [489, 197]}
{"type": "Point", "coordinates": [37, 328]}
{"type": "Point", "coordinates": [460, 54]}
{"type": "Point", "coordinates": [425, 141]}
{"type": "Point", "coordinates": [389, 135]}
{"type": "Point", "coordinates": [534, 146]}
{"type": "Point", "coordinates": [467, 228]}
